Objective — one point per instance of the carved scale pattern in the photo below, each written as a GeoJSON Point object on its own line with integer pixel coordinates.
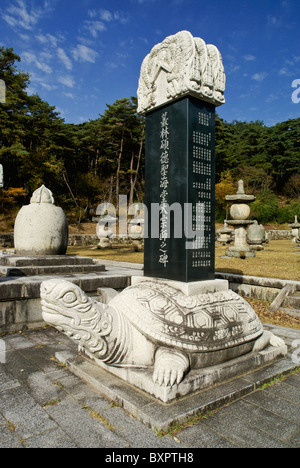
{"type": "Point", "coordinates": [204, 322]}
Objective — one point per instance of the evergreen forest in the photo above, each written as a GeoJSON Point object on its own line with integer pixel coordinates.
{"type": "Point", "coordinates": [86, 164]}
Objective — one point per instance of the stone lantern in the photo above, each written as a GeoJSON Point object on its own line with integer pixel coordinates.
{"type": "Point", "coordinates": [136, 227]}
{"type": "Point", "coordinates": [225, 235]}
{"type": "Point", "coordinates": [240, 212]}
{"type": "Point", "coordinates": [295, 230]}
{"type": "Point", "coordinates": [106, 229]}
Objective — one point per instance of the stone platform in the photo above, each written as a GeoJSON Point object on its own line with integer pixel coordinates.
{"type": "Point", "coordinates": [196, 380]}
{"type": "Point", "coordinates": [251, 372]}
{"type": "Point", "coordinates": [14, 265]}
{"type": "Point", "coordinates": [20, 304]}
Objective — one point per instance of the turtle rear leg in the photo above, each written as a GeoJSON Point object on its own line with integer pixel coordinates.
{"type": "Point", "coordinates": [267, 339]}
{"type": "Point", "coordinates": [170, 367]}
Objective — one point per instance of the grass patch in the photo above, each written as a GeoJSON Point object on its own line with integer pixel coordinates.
{"type": "Point", "coordinates": [100, 418]}
{"type": "Point", "coordinates": [176, 426]}
{"type": "Point", "coordinates": [278, 260]}
{"type": "Point", "coordinates": [278, 379]}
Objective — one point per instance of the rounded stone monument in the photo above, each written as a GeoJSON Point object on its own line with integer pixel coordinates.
{"type": "Point", "coordinates": [41, 228]}
{"type": "Point", "coordinates": [256, 236]}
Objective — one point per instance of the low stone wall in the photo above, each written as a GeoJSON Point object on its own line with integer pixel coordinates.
{"type": "Point", "coordinates": [279, 234]}
{"type": "Point", "coordinates": [83, 240]}
{"type": "Point", "coordinates": [7, 240]}
{"type": "Point", "coordinates": [256, 287]}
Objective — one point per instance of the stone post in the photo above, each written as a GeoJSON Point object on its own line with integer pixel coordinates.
{"type": "Point", "coordinates": [295, 230]}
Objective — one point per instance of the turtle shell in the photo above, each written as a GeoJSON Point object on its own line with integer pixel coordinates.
{"type": "Point", "coordinates": [199, 323]}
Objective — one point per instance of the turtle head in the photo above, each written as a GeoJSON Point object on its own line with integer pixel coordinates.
{"type": "Point", "coordinates": [66, 307]}
{"type": "Point", "coordinates": [63, 302]}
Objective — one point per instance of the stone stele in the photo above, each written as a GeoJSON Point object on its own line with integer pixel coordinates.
{"type": "Point", "coordinates": [159, 334]}
{"type": "Point", "coordinates": [41, 228]}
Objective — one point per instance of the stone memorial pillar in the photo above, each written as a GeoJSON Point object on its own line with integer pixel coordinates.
{"type": "Point", "coordinates": [182, 81]}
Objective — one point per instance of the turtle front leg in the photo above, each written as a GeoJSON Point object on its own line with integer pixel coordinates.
{"type": "Point", "coordinates": [170, 367]}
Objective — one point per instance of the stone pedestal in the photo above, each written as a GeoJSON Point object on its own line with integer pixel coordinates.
{"type": "Point", "coordinates": [240, 249]}
{"type": "Point", "coordinates": [167, 338]}
{"type": "Point", "coordinates": [136, 228]}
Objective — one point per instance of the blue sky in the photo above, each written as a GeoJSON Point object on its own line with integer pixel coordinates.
{"type": "Point", "coordinates": [83, 54]}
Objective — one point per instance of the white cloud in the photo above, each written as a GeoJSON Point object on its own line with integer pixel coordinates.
{"type": "Point", "coordinates": [106, 15]}
{"type": "Point", "coordinates": [30, 57]}
{"type": "Point", "coordinates": [100, 18]}
{"type": "Point", "coordinates": [259, 76]}
{"type": "Point", "coordinates": [64, 58]}
{"type": "Point", "coordinates": [249, 58]}
{"type": "Point", "coordinates": [25, 16]}
{"type": "Point", "coordinates": [50, 39]}
{"type": "Point", "coordinates": [82, 53]}
{"type": "Point", "coordinates": [69, 95]}
{"type": "Point", "coordinates": [67, 81]}
{"type": "Point", "coordinates": [48, 87]}
{"type": "Point", "coordinates": [94, 27]}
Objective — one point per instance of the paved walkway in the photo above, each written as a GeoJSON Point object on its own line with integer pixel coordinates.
{"type": "Point", "coordinates": [42, 404]}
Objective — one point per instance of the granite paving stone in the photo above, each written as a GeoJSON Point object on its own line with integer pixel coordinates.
{"type": "Point", "coordinates": [43, 404]}
{"type": "Point", "coordinates": [84, 429]}
{"type": "Point", "coordinates": [277, 405]}
{"type": "Point", "coordinates": [28, 418]}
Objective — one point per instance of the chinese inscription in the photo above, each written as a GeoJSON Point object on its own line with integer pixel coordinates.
{"type": "Point", "coordinates": [164, 183]}
{"type": "Point", "coordinates": [202, 167]}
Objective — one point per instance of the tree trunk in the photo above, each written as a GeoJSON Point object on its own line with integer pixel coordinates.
{"type": "Point", "coordinates": [119, 167]}
{"type": "Point", "coordinates": [134, 181]}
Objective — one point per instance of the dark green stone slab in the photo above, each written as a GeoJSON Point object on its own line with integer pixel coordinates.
{"type": "Point", "coordinates": [180, 170]}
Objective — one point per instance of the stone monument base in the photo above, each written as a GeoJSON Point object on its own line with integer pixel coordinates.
{"type": "Point", "coordinates": [155, 327]}
{"type": "Point", "coordinates": [196, 380]}
{"type": "Point", "coordinates": [159, 416]}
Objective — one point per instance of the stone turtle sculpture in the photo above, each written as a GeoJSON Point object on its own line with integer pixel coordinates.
{"type": "Point", "coordinates": [154, 325]}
